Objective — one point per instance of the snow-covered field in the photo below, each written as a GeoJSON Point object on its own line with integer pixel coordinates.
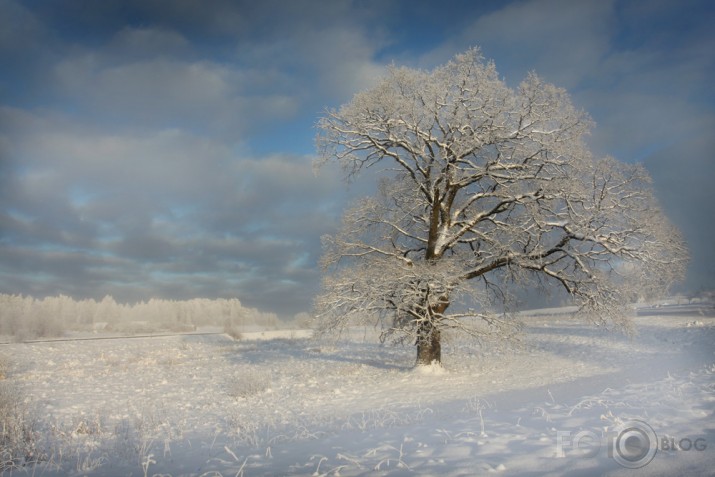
{"type": "Point", "coordinates": [206, 405]}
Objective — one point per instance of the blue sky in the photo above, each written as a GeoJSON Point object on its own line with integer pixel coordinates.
{"type": "Point", "coordinates": [164, 148]}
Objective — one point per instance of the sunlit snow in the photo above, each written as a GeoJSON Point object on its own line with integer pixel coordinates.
{"type": "Point", "coordinates": [281, 403]}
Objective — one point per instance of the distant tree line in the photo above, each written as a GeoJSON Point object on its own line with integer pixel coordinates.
{"type": "Point", "coordinates": [24, 317]}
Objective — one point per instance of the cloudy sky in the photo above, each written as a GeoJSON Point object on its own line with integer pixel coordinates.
{"type": "Point", "coordinates": [163, 148]}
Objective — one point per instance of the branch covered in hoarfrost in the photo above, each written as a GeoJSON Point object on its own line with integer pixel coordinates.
{"type": "Point", "coordinates": [486, 189]}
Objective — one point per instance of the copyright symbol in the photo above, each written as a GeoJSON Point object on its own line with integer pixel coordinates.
{"type": "Point", "coordinates": [635, 445]}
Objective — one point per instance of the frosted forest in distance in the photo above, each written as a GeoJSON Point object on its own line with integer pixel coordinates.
{"type": "Point", "coordinates": [24, 317]}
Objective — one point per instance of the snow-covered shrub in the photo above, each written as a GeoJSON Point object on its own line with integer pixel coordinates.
{"type": "Point", "coordinates": [4, 366]}
{"type": "Point", "coordinates": [247, 384]}
{"type": "Point", "coordinates": [232, 330]}
{"type": "Point", "coordinates": [18, 439]}
{"type": "Point", "coordinates": [302, 321]}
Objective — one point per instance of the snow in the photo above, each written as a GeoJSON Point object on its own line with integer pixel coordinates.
{"type": "Point", "coordinates": [280, 403]}
{"type": "Point", "coordinates": [434, 368]}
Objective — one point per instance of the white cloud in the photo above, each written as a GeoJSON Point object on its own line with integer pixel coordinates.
{"type": "Point", "coordinates": [147, 206]}
{"type": "Point", "coordinates": [18, 27]}
{"type": "Point", "coordinates": [148, 42]}
{"type": "Point", "coordinates": [130, 170]}
{"type": "Point", "coordinates": [164, 92]}
{"type": "Point", "coordinates": [333, 59]}
{"type": "Point", "coordinates": [342, 59]}
{"type": "Point", "coordinates": [160, 76]}
{"type": "Point", "coordinates": [562, 41]}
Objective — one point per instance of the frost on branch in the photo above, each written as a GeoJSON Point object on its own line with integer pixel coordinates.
{"type": "Point", "coordinates": [486, 189]}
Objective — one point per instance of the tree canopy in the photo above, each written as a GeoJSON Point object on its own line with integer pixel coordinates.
{"type": "Point", "coordinates": [486, 189]}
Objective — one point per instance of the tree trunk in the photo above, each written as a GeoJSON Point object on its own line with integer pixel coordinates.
{"type": "Point", "coordinates": [429, 348]}
{"type": "Point", "coordinates": [429, 345]}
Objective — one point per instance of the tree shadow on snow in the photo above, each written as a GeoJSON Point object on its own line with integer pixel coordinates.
{"type": "Point", "coordinates": [348, 352]}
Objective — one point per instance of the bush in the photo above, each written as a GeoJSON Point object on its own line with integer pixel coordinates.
{"type": "Point", "coordinates": [248, 384]}
{"type": "Point", "coordinates": [3, 366]}
{"type": "Point", "coordinates": [18, 434]}
{"type": "Point", "coordinates": [232, 331]}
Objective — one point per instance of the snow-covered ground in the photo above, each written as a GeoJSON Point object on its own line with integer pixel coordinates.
{"type": "Point", "coordinates": [206, 405]}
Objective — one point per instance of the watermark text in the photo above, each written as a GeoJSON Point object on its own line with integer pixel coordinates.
{"type": "Point", "coordinates": [633, 445]}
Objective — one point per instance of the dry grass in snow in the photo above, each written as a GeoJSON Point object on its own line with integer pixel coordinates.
{"type": "Point", "coordinates": [199, 405]}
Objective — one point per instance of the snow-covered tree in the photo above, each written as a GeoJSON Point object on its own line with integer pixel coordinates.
{"type": "Point", "coordinates": [485, 189]}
